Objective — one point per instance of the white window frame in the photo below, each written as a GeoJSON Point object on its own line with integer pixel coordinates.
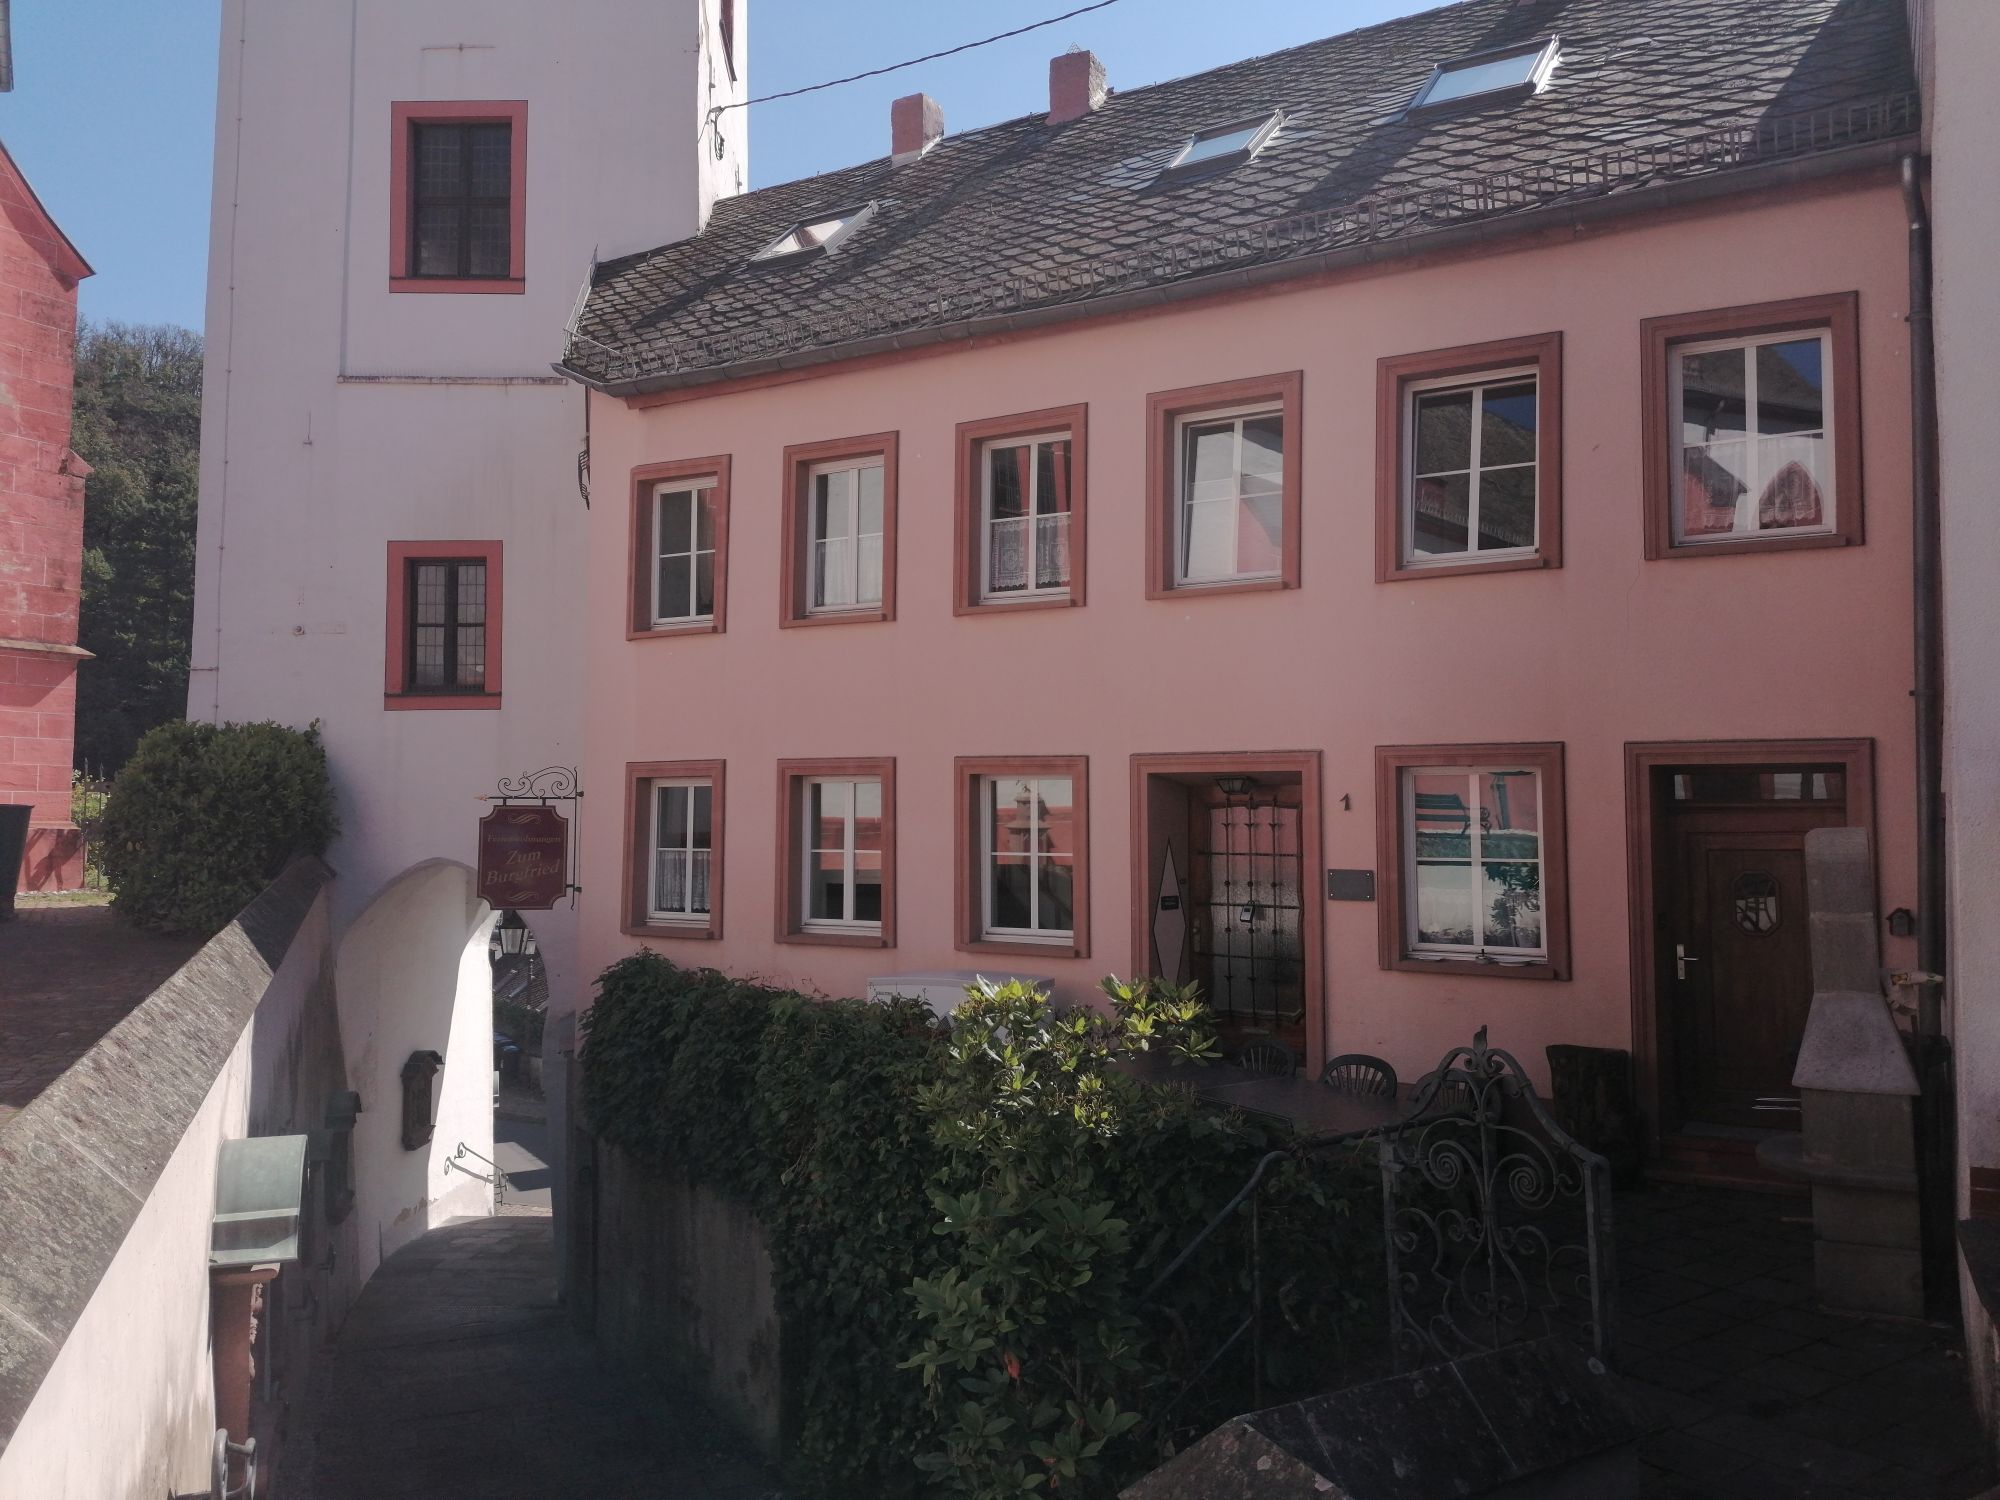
{"type": "Point", "coordinates": [1478, 951]}
{"type": "Point", "coordinates": [1182, 480]}
{"type": "Point", "coordinates": [1478, 384]}
{"type": "Point", "coordinates": [847, 221]}
{"type": "Point", "coordinates": [1546, 53]}
{"type": "Point", "coordinates": [855, 535]}
{"type": "Point", "coordinates": [702, 493]}
{"type": "Point", "coordinates": [1747, 502]}
{"type": "Point", "coordinates": [654, 911]}
{"type": "Point", "coordinates": [1265, 127]}
{"type": "Point", "coordinates": [988, 810]}
{"type": "Point", "coordinates": [809, 850]}
{"type": "Point", "coordinates": [987, 523]}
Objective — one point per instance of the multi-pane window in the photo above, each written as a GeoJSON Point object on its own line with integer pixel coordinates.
{"type": "Point", "coordinates": [446, 626]}
{"type": "Point", "coordinates": [684, 553]}
{"type": "Point", "coordinates": [841, 845]}
{"type": "Point", "coordinates": [683, 849]}
{"type": "Point", "coordinates": [1229, 496]}
{"type": "Point", "coordinates": [461, 191]}
{"type": "Point", "coordinates": [1471, 468]}
{"type": "Point", "coordinates": [1473, 836]}
{"type": "Point", "coordinates": [1025, 511]}
{"type": "Point", "coordinates": [845, 534]}
{"type": "Point", "coordinates": [1753, 433]}
{"type": "Point", "coordinates": [1029, 840]}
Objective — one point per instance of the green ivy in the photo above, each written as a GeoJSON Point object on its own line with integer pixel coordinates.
{"type": "Point", "coordinates": [204, 816]}
{"type": "Point", "coordinates": [963, 1221]}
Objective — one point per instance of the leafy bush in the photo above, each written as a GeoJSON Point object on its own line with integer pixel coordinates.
{"type": "Point", "coordinates": [963, 1222]}
{"type": "Point", "coordinates": [204, 816]}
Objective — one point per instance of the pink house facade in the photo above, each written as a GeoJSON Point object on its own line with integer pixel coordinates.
{"type": "Point", "coordinates": [41, 530]}
{"type": "Point", "coordinates": [1458, 623]}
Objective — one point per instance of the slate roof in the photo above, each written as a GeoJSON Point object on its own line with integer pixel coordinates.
{"type": "Point", "coordinates": [1024, 218]}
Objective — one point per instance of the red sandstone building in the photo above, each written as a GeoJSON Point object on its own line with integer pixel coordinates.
{"type": "Point", "coordinates": [41, 528]}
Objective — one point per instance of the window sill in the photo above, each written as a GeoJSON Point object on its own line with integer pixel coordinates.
{"type": "Point", "coordinates": [1226, 586]}
{"type": "Point", "coordinates": [1055, 948]}
{"type": "Point", "coordinates": [1021, 605]}
{"type": "Point", "coordinates": [407, 701]}
{"type": "Point", "coordinates": [872, 616]}
{"type": "Point", "coordinates": [475, 286]}
{"type": "Point", "coordinates": [1466, 968]}
{"type": "Point", "coordinates": [807, 937]}
{"type": "Point", "coordinates": [1722, 547]}
{"type": "Point", "coordinates": [680, 627]}
{"type": "Point", "coordinates": [663, 929]}
{"type": "Point", "coordinates": [1403, 572]}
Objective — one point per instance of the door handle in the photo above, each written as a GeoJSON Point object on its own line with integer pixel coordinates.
{"type": "Point", "coordinates": [1682, 958]}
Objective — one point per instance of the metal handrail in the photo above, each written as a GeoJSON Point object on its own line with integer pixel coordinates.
{"type": "Point", "coordinates": [501, 1182]}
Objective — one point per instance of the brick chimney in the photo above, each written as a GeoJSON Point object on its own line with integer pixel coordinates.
{"type": "Point", "coordinates": [1076, 86]}
{"type": "Point", "coordinates": [916, 123]}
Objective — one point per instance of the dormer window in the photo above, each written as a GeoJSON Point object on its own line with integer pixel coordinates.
{"type": "Point", "coordinates": [1224, 146]}
{"type": "Point", "coordinates": [815, 236]}
{"type": "Point", "coordinates": [1503, 72]}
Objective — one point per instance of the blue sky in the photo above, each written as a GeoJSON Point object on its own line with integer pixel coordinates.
{"type": "Point", "coordinates": [113, 111]}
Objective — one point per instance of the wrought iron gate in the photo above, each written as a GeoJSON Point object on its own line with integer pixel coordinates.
{"type": "Point", "coordinates": [1247, 941]}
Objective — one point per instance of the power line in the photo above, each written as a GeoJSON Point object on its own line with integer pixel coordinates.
{"type": "Point", "coordinates": [716, 111]}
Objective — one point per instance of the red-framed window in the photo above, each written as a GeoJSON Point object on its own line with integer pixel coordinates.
{"type": "Point", "coordinates": [458, 194]}
{"type": "Point", "coordinates": [442, 639]}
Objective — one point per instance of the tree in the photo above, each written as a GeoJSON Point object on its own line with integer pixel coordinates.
{"type": "Point", "coordinates": [138, 425]}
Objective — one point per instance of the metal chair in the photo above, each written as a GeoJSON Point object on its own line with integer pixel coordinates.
{"type": "Point", "coordinates": [1267, 1057]}
{"type": "Point", "coordinates": [1358, 1073]}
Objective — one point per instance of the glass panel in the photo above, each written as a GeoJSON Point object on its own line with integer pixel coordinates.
{"type": "Point", "coordinates": [867, 888]}
{"type": "Point", "coordinates": [704, 584]}
{"type": "Point", "coordinates": [1444, 904]}
{"type": "Point", "coordinates": [1791, 496]}
{"type": "Point", "coordinates": [439, 237]}
{"type": "Point", "coordinates": [1055, 883]}
{"type": "Point", "coordinates": [1467, 79]}
{"type": "Point", "coordinates": [440, 161]}
{"type": "Point", "coordinates": [1757, 784]}
{"type": "Point", "coordinates": [431, 593]}
{"type": "Point", "coordinates": [675, 507]}
{"type": "Point", "coordinates": [1052, 494]}
{"type": "Point", "coordinates": [704, 509]}
{"type": "Point", "coordinates": [471, 666]}
{"type": "Point", "coordinates": [1007, 468]}
{"type": "Point", "coordinates": [1051, 551]}
{"type": "Point", "coordinates": [427, 664]}
{"type": "Point", "coordinates": [868, 587]}
{"type": "Point", "coordinates": [471, 593]}
{"type": "Point", "coordinates": [1442, 815]}
{"type": "Point", "coordinates": [870, 480]}
{"type": "Point", "coordinates": [1263, 455]}
{"type": "Point", "coordinates": [1506, 508]}
{"type": "Point", "coordinates": [700, 796]}
{"type": "Point", "coordinates": [674, 602]}
{"type": "Point", "coordinates": [1513, 904]}
{"type": "Point", "coordinates": [1208, 539]}
{"type": "Point", "coordinates": [673, 829]}
{"type": "Point", "coordinates": [1211, 461]}
{"type": "Point", "coordinates": [868, 815]}
{"type": "Point", "coordinates": [1510, 814]}
{"type": "Point", "coordinates": [1444, 431]}
{"type": "Point", "coordinates": [1012, 880]}
{"type": "Point", "coordinates": [1790, 390]}
{"type": "Point", "coordinates": [1712, 480]}
{"type": "Point", "coordinates": [492, 160]}
{"type": "Point", "coordinates": [1056, 813]}
{"type": "Point", "coordinates": [1013, 816]}
{"type": "Point", "coordinates": [1712, 395]}
{"type": "Point", "coordinates": [1007, 555]}
{"type": "Point", "coordinates": [1259, 533]}
{"type": "Point", "coordinates": [830, 508]}
{"type": "Point", "coordinates": [1507, 425]}
{"type": "Point", "coordinates": [1442, 507]}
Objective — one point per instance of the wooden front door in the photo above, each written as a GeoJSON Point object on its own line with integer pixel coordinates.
{"type": "Point", "coordinates": [1736, 956]}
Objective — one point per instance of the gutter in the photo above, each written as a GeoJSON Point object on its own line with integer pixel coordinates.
{"type": "Point", "coordinates": [1937, 1177]}
{"type": "Point", "coordinates": [1875, 155]}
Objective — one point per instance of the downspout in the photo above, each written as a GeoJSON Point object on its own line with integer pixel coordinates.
{"type": "Point", "coordinates": [1937, 1183]}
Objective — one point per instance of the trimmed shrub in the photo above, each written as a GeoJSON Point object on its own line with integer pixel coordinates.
{"type": "Point", "coordinates": [963, 1221]}
{"type": "Point", "coordinates": [204, 816]}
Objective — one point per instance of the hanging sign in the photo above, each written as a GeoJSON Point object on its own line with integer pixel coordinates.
{"type": "Point", "coordinates": [523, 857]}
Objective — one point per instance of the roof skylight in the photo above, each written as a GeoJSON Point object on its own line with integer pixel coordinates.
{"type": "Point", "coordinates": [1225, 145]}
{"type": "Point", "coordinates": [815, 235]}
{"type": "Point", "coordinates": [1505, 70]}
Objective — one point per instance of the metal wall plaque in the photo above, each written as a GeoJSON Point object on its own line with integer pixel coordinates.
{"type": "Point", "coordinates": [1350, 885]}
{"type": "Point", "coordinates": [523, 857]}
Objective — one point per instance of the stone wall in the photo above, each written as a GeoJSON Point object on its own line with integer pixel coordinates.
{"type": "Point", "coordinates": [683, 1296]}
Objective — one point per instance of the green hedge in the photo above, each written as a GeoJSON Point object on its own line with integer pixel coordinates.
{"type": "Point", "coordinates": [204, 816]}
{"type": "Point", "coordinates": [962, 1221]}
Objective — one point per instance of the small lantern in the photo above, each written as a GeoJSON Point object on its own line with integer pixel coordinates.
{"type": "Point", "coordinates": [419, 1110]}
{"type": "Point", "coordinates": [512, 934]}
{"type": "Point", "coordinates": [1236, 786]}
